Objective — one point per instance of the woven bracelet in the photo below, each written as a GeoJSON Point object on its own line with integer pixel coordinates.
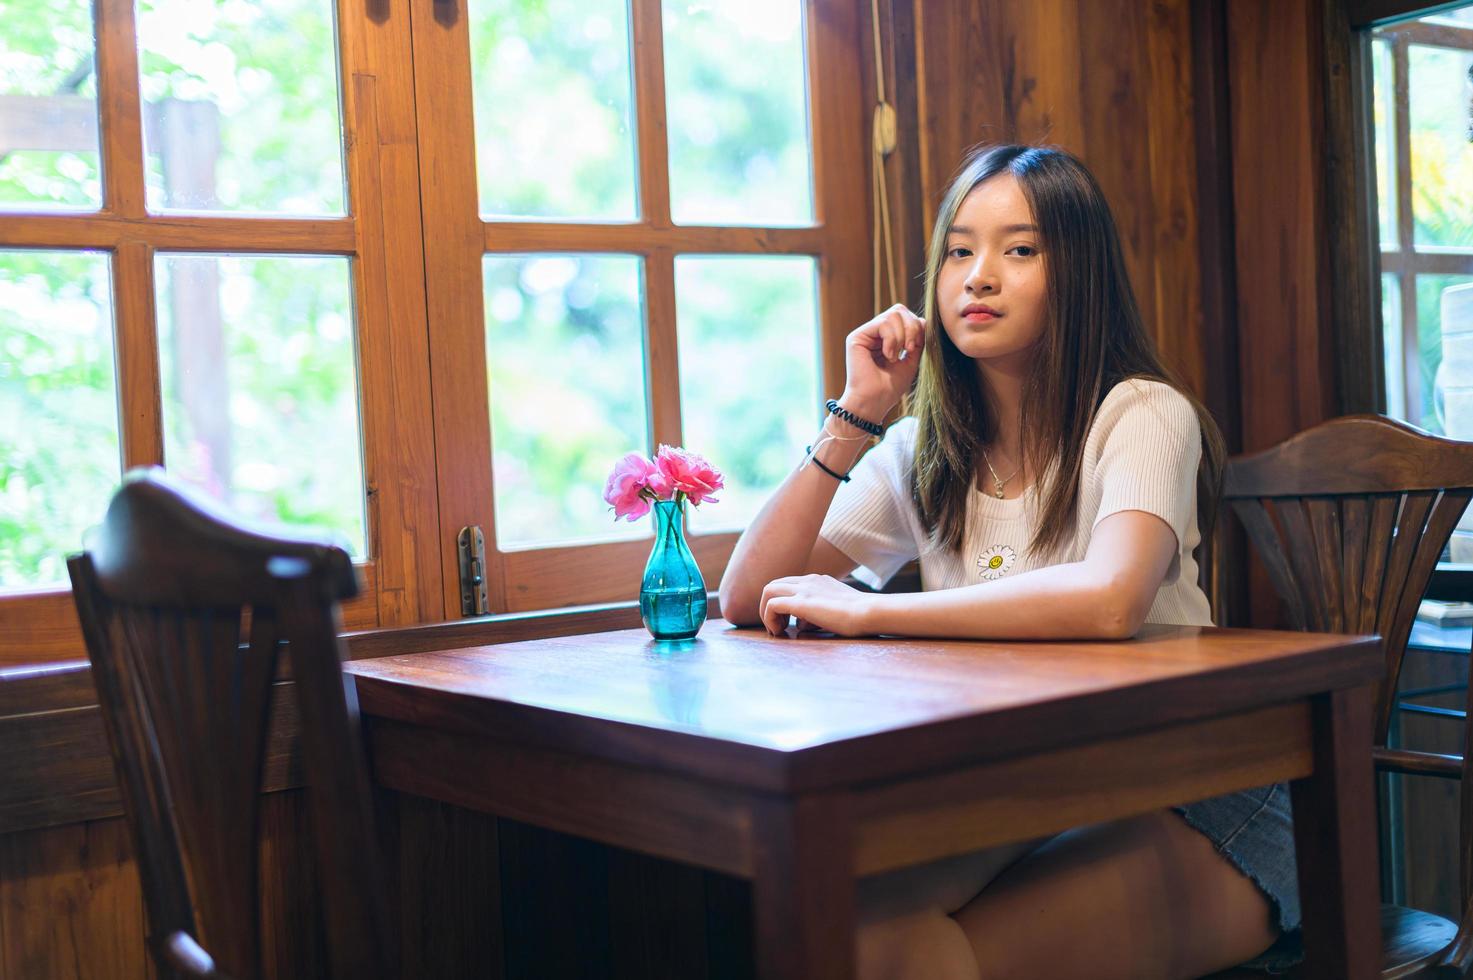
{"type": "Point", "coordinates": [873, 428]}
{"type": "Point", "coordinates": [841, 477]}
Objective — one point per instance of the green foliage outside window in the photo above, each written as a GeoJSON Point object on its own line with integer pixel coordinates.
{"type": "Point", "coordinates": [245, 56]}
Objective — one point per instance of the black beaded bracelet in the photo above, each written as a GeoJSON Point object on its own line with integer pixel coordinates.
{"type": "Point", "coordinates": [841, 477]}
{"type": "Point", "coordinates": [873, 428]}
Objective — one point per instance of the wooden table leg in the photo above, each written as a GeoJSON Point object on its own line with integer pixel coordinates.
{"type": "Point", "coordinates": [803, 889]}
{"type": "Point", "coordinates": [1335, 839]}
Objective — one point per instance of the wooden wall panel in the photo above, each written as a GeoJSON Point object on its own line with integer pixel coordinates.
{"type": "Point", "coordinates": [450, 890]}
{"type": "Point", "coordinates": [1050, 73]}
{"type": "Point", "coordinates": [1113, 84]}
{"type": "Point", "coordinates": [1178, 198]}
{"type": "Point", "coordinates": [909, 206]}
{"type": "Point", "coordinates": [1303, 180]}
{"type": "Point", "coordinates": [1286, 368]}
{"type": "Point", "coordinates": [70, 906]}
{"type": "Point", "coordinates": [569, 908]}
{"type": "Point", "coordinates": [1117, 134]}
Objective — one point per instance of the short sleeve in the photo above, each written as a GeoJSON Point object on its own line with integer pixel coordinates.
{"type": "Point", "coordinates": [1150, 443]}
{"type": "Point", "coordinates": [870, 518]}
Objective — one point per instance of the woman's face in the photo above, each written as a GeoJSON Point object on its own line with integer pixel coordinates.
{"type": "Point", "coordinates": [990, 289]}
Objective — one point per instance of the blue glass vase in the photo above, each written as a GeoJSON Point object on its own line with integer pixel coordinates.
{"type": "Point", "coordinates": [672, 597]}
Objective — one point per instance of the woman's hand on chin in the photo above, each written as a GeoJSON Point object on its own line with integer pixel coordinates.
{"type": "Point", "coordinates": [881, 359]}
{"type": "Point", "coordinates": [821, 602]}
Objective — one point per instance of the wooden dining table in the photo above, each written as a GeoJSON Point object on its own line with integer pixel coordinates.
{"type": "Point", "coordinates": [803, 762]}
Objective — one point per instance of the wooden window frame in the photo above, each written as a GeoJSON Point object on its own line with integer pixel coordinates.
{"type": "Point", "coordinates": [539, 578]}
{"type": "Point", "coordinates": [1406, 261]}
{"type": "Point", "coordinates": [413, 204]}
{"type": "Point", "coordinates": [381, 231]}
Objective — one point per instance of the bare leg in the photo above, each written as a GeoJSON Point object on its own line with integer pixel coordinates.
{"type": "Point", "coordinates": [905, 926]}
{"type": "Point", "coordinates": [1142, 898]}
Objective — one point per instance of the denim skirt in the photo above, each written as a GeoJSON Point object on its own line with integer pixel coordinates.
{"type": "Point", "coordinates": [1254, 830]}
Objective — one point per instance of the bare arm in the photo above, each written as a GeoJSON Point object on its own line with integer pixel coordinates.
{"type": "Point", "coordinates": [783, 539]}
{"type": "Point", "coordinates": [1105, 596]}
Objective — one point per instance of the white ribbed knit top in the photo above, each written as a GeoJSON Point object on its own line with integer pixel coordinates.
{"type": "Point", "coordinates": [1141, 454]}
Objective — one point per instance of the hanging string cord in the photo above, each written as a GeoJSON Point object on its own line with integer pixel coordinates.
{"type": "Point", "coordinates": [882, 144]}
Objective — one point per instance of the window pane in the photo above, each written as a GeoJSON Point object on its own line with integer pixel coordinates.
{"type": "Point", "coordinates": [1462, 17]}
{"type": "Point", "coordinates": [48, 106]}
{"type": "Point", "coordinates": [260, 386]}
{"type": "Point", "coordinates": [736, 101]}
{"type": "Point", "coordinates": [749, 381]}
{"type": "Point", "coordinates": [1391, 346]}
{"type": "Point", "coordinates": [59, 452]}
{"type": "Point", "coordinates": [552, 93]}
{"type": "Point", "coordinates": [1445, 339]}
{"type": "Point", "coordinates": [1385, 112]}
{"type": "Point", "coordinates": [565, 354]}
{"type": "Point", "coordinates": [1442, 155]}
{"type": "Point", "coordinates": [241, 106]}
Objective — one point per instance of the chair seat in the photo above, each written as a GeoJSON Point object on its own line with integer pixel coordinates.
{"type": "Point", "coordinates": [1409, 941]}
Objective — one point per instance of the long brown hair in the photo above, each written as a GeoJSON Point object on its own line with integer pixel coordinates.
{"type": "Point", "coordinates": [1093, 339]}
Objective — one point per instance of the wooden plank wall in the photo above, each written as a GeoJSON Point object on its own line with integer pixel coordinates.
{"type": "Point", "coordinates": [1286, 356]}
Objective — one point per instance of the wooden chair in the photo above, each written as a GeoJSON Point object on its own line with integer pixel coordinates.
{"type": "Point", "coordinates": [1350, 518]}
{"type": "Point", "coordinates": [162, 596]}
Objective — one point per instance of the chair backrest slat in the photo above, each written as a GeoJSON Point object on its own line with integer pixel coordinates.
{"type": "Point", "coordinates": [1355, 521]}
{"type": "Point", "coordinates": [1384, 508]}
{"type": "Point", "coordinates": [163, 597]}
{"type": "Point", "coordinates": [1440, 522]}
{"type": "Point", "coordinates": [144, 789]}
{"type": "Point", "coordinates": [1301, 547]}
{"type": "Point", "coordinates": [1265, 538]}
{"type": "Point", "coordinates": [1324, 524]}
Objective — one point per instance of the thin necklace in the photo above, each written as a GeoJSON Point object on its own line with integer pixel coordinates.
{"type": "Point", "coordinates": [1000, 481]}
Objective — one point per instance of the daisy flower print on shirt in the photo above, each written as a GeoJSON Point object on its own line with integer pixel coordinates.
{"type": "Point", "coordinates": [996, 562]}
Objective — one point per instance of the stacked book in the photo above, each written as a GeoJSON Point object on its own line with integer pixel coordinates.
{"type": "Point", "coordinates": [1441, 613]}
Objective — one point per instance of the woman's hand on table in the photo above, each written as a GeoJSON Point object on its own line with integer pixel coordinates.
{"type": "Point", "coordinates": [821, 602]}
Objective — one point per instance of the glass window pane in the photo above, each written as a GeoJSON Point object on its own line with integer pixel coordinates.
{"type": "Point", "coordinates": [736, 103]}
{"type": "Point", "coordinates": [1391, 346]}
{"type": "Point", "coordinates": [1445, 342]}
{"type": "Point", "coordinates": [241, 106]}
{"type": "Point", "coordinates": [48, 106]}
{"type": "Point", "coordinates": [1442, 154]}
{"type": "Point", "coordinates": [1461, 17]}
{"type": "Point", "coordinates": [553, 108]}
{"type": "Point", "coordinates": [565, 355]}
{"type": "Point", "coordinates": [1385, 136]}
{"type": "Point", "coordinates": [749, 379]}
{"type": "Point", "coordinates": [259, 378]}
{"type": "Point", "coordinates": [59, 450]}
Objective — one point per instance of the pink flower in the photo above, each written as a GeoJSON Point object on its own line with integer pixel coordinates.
{"type": "Point", "coordinates": [674, 474]}
{"type": "Point", "coordinates": [689, 473]}
{"type": "Point", "coordinates": [629, 487]}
